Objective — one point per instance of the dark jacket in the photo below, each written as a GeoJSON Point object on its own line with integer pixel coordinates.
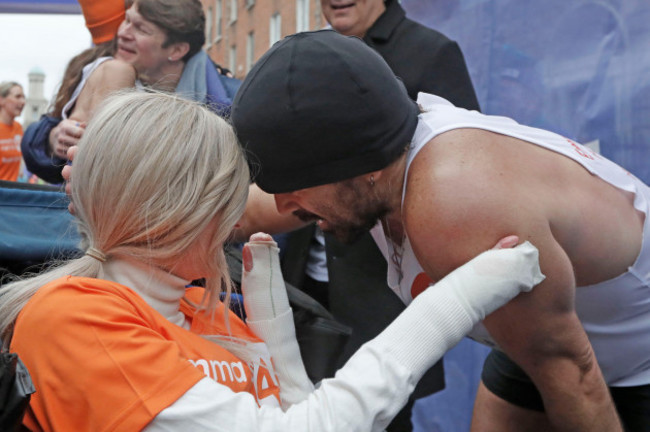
{"type": "Point", "coordinates": [35, 147]}
{"type": "Point", "coordinates": [425, 59]}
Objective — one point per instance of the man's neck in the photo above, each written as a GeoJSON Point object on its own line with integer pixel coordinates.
{"type": "Point", "coordinates": [167, 78]}
{"type": "Point", "coordinates": [393, 183]}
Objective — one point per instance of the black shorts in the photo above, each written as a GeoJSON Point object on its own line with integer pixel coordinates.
{"type": "Point", "coordinates": [509, 382]}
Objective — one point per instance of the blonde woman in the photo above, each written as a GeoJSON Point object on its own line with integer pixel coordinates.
{"type": "Point", "coordinates": [12, 102]}
{"type": "Point", "coordinates": [115, 340]}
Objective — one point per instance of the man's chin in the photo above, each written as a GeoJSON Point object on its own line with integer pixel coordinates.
{"type": "Point", "coordinates": [347, 236]}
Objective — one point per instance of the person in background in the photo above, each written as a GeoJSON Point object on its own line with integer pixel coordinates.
{"type": "Point", "coordinates": [348, 279]}
{"type": "Point", "coordinates": [115, 340]}
{"type": "Point", "coordinates": [424, 59]}
{"type": "Point", "coordinates": [161, 40]}
{"type": "Point", "coordinates": [46, 141]}
{"type": "Point", "coordinates": [12, 102]}
{"type": "Point", "coordinates": [103, 18]}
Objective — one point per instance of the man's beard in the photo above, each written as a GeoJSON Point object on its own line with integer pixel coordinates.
{"type": "Point", "coordinates": [351, 232]}
{"type": "Point", "coordinates": [345, 231]}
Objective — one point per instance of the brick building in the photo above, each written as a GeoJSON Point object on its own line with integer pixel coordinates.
{"type": "Point", "coordinates": [238, 32]}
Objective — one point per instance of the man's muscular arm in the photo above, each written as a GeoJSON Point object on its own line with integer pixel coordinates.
{"type": "Point", "coordinates": [472, 200]}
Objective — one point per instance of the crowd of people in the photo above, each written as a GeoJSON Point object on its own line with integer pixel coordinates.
{"type": "Point", "coordinates": [415, 219]}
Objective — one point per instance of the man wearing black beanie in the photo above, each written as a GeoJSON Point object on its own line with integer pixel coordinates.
{"type": "Point", "coordinates": [351, 269]}
{"type": "Point", "coordinates": [337, 274]}
{"type": "Point", "coordinates": [461, 181]}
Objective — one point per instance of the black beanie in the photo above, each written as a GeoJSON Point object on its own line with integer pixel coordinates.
{"type": "Point", "coordinates": [318, 108]}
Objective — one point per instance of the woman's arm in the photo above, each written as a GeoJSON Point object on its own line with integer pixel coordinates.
{"type": "Point", "coordinates": [35, 146]}
{"type": "Point", "coordinates": [375, 383]}
{"type": "Point", "coordinates": [110, 76]}
{"type": "Point", "coordinates": [261, 214]}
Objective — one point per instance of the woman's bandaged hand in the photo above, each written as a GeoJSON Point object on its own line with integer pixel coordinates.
{"type": "Point", "coordinates": [263, 289]}
{"type": "Point", "coordinates": [493, 278]}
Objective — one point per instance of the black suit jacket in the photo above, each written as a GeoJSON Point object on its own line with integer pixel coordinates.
{"type": "Point", "coordinates": [425, 59]}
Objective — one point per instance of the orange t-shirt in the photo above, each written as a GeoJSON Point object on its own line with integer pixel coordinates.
{"type": "Point", "coordinates": [10, 154]}
{"type": "Point", "coordinates": [102, 359]}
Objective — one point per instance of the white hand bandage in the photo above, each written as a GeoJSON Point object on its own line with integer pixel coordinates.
{"type": "Point", "coordinates": [493, 278]}
{"type": "Point", "coordinates": [444, 313]}
{"type": "Point", "coordinates": [265, 295]}
{"type": "Point", "coordinates": [270, 317]}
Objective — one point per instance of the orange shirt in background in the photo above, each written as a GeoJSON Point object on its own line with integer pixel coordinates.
{"type": "Point", "coordinates": [10, 154]}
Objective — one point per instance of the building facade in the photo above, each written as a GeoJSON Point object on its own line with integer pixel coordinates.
{"type": "Point", "coordinates": [35, 104]}
{"type": "Point", "coordinates": [239, 32]}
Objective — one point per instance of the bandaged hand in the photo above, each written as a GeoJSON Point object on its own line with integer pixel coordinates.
{"type": "Point", "coordinates": [493, 278]}
{"type": "Point", "coordinates": [444, 313]}
{"type": "Point", "coordinates": [265, 295]}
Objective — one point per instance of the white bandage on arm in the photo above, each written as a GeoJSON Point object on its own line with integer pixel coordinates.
{"type": "Point", "coordinates": [271, 319]}
{"type": "Point", "coordinates": [445, 312]}
{"type": "Point", "coordinates": [265, 296]}
{"type": "Point", "coordinates": [375, 383]}
{"type": "Point", "coordinates": [495, 277]}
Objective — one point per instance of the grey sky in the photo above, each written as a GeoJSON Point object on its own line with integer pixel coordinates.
{"type": "Point", "coordinates": [44, 41]}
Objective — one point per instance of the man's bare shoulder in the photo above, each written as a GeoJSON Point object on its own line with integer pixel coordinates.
{"type": "Point", "coordinates": [460, 169]}
{"type": "Point", "coordinates": [462, 196]}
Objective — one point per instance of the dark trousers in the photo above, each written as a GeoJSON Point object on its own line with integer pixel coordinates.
{"type": "Point", "coordinates": [508, 381]}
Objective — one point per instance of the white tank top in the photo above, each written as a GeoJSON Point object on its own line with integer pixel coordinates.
{"type": "Point", "coordinates": [614, 313]}
{"type": "Point", "coordinates": [85, 74]}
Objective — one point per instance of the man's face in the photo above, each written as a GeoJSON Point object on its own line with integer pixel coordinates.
{"type": "Point", "coordinates": [352, 17]}
{"type": "Point", "coordinates": [347, 209]}
{"type": "Point", "coordinates": [140, 43]}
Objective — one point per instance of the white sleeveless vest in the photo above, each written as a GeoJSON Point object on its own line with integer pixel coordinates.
{"type": "Point", "coordinates": [85, 74]}
{"type": "Point", "coordinates": [614, 313]}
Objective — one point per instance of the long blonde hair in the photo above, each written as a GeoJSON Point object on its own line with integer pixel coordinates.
{"type": "Point", "coordinates": [152, 172]}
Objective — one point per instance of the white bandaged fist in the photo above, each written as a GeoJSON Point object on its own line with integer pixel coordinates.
{"type": "Point", "coordinates": [263, 289]}
{"type": "Point", "coordinates": [493, 278]}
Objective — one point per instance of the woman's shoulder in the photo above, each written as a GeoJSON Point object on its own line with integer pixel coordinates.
{"type": "Point", "coordinates": [113, 68]}
{"type": "Point", "coordinates": [78, 293]}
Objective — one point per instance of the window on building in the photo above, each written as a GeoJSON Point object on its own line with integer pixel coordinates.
{"type": "Point", "coordinates": [232, 59]}
{"type": "Point", "coordinates": [250, 3]}
{"type": "Point", "coordinates": [250, 51]}
{"type": "Point", "coordinates": [208, 26]}
{"type": "Point", "coordinates": [275, 28]}
{"type": "Point", "coordinates": [233, 11]}
{"type": "Point", "coordinates": [218, 15]}
{"type": "Point", "coordinates": [302, 15]}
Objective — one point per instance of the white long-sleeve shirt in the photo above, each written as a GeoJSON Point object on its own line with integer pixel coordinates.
{"type": "Point", "coordinates": [375, 383]}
